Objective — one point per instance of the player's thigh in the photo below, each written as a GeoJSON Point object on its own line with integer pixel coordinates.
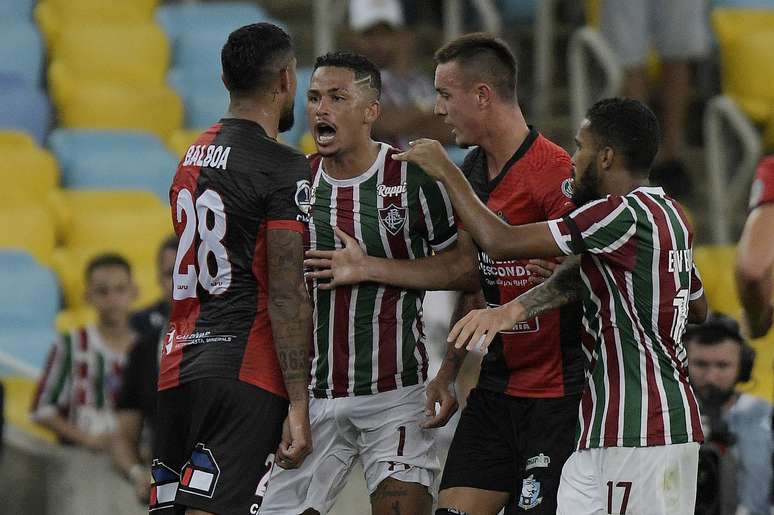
{"type": "Point", "coordinates": [313, 487]}
{"type": "Point", "coordinates": [235, 430]}
{"type": "Point", "coordinates": [393, 496]}
{"type": "Point", "coordinates": [546, 439]}
{"type": "Point", "coordinates": [474, 501]}
{"type": "Point", "coordinates": [392, 444]}
{"type": "Point", "coordinates": [579, 491]}
{"type": "Point", "coordinates": [482, 455]}
{"type": "Point", "coordinates": [682, 29]}
{"type": "Point", "coordinates": [626, 27]}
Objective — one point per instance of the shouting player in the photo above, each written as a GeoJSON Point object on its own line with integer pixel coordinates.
{"type": "Point", "coordinates": [237, 347]}
{"type": "Point", "coordinates": [516, 430]}
{"type": "Point", "coordinates": [370, 362]}
{"type": "Point", "coordinates": [639, 427]}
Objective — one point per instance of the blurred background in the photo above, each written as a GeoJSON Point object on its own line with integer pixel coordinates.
{"type": "Point", "coordinates": [100, 99]}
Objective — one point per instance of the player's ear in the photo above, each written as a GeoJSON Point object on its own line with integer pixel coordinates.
{"type": "Point", "coordinates": [484, 94]}
{"type": "Point", "coordinates": [605, 157]}
{"type": "Point", "coordinates": [285, 79]}
{"type": "Point", "coordinates": [372, 112]}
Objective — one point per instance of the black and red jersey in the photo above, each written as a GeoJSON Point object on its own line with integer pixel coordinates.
{"type": "Point", "coordinates": [541, 357]}
{"type": "Point", "coordinates": [233, 185]}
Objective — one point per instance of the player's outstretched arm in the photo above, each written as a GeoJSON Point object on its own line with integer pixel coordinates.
{"type": "Point", "coordinates": [479, 327]}
{"type": "Point", "coordinates": [291, 321]}
{"type": "Point", "coordinates": [754, 260]}
{"type": "Point", "coordinates": [452, 269]}
{"type": "Point", "coordinates": [498, 239]}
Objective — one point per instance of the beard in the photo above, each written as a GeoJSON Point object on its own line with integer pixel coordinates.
{"type": "Point", "coordinates": [287, 118]}
{"type": "Point", "coordinates": [587, 189]}
{"type": "Point", "coordinates": [711, 396]}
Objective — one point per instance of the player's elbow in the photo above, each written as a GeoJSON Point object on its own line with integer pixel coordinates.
{"type": "Point", "coordinates": [698, 310]}
{"type": "Point", "coordinates": [750, 272]}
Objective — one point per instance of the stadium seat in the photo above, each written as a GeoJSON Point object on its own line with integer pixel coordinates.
{"type": "Point", "coordinates": [21, 50]}
{"type": "Point", "coordinates": [23, 108]}
{"type": "Point", "coordinates": [37, 302]}
{"type": "Point", "coordinates": [108, 160]}
{"type": "Point", "coordinates": [13, 11]}
{"type": "Point", "coordinates": [55, 16]}
{"type": "Point", "coordinates": [26, 170]}
{"type": "Point", "coordinates": [153, 109]}
{"type": "Point", "coordinates": [293, 136]}
{"type": "Point", "coordinates": [746, 38]}
{"type": "Point", "coordinates": [29, 228]}
{"type": "Point", "coordinates": [27, 346]}
{"type": "Point", "coordinates": [19, 392]}
{"type": "Point", "coordinates": [204, 97]}
{"type": "Point", "coordinates": [178, 19]}
{"type": "Point", "coordinates": [716, 266]}
{"type": "Point", "coordinates": [181, 139]}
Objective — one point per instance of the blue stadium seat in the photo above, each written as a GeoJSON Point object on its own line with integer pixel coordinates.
{"type": "Point", "coordinates": [113, 160]}
{"type": "Point", "coordinates": [21, 50]}
{"type": "Point", "coordinates": [36, 303]}
{"type": "Point", "coordinates": [178, 19]}
{"type": "Point", "coordinates": [23, 107]}
{"type": "Point", "coordinates": [27, 345]}
{"type": "Point", "coordinates": [744, 4]}
{"type": "Point", "coordinates": [293, 136]}
{"type": "Point", "coordinates": [518, 11]}
{"type": "Point", "coordinates": [16, 10]}
{"type": "Point", "coordinates": [204, 97]}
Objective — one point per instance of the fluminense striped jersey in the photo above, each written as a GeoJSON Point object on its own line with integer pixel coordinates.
{"type": "Point", "coordinates": [637, 266]}
{"type": "Point", "coordinates": [81, 382]}
{"type": "Point", "coordinates": [368, 338]}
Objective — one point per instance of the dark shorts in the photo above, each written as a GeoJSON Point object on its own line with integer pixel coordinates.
{"type": "Point", "coordinates": [215, 445]}
{"type": "Point", "coordinates": [513, 444]}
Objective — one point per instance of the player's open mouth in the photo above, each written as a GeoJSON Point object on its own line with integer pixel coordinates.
{"type": "Point", "coordinates": [324, 133]}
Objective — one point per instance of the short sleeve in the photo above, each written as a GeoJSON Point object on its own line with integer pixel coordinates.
{"type": "Point", "coordinates": [552, 188]}
{"type": "Point", "coordinates": [762, 190]}
{"type": "Point", "coordinates": [54, 386]}
{"type": "Point", "coordinates": [289, 194]}
{"type": "Point", "coordinates": [697, 287]}
{"type": "Point", "coordinates": [599, 227]}
{"type": "Point", "coordinates": [439, 215]}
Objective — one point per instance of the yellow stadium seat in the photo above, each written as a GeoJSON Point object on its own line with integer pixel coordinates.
{"type": "Point", "coordinates": [30, 171]}
{"type": "Point", "coordinates": [155, 109]}
{"type": "Point", "coordinates": [131, 55]}
{"type": "Point", "coordinates": [716, 266]}
{"type": "Point", "coordinates": [73, 318]}
{"type": "Point", "coordinates": [181, 139]}
{"type": "Point", "coordinates": [30, 228]}
{"type": "Point", "coordinates": [55, 17]}
{"type": "Point", "coordinates": [70, 266]}
{"type": "Point", "coordinates": [19, 393]}
{"type": "Point", "coordinates": [746, 38]}
{"type": "Point", "coordinates": [15, 140]}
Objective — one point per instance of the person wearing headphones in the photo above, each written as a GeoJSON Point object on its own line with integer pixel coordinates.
{"type": "Point", "coordinates": [738, 426]}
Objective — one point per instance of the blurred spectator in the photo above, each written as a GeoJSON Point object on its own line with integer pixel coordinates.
{"type": "Point", "coordinates": [679, 31]}
{"type": "Point", "coordinates": [136, 408]}
{"type": "Point", "coordinates": [152, 319]}
{"type": "Point", "coordinates": [736, 459]}
{"type": "Point", "coordinates": [408, 96]}
{"type": "Point", "coordinates": [77, 393]}
{"type": "Point", "coordinates": [755, 253]}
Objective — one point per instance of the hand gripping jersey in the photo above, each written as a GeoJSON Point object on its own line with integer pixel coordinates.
{"type": "Point", "coordinates": [637, 266]}
{"type": "Point", "coordinates": [762, 191]}
{"type": "Point", "coordinates": [368, 338]}
{"type": "Point", "coordinates": [541, 357]}
{"type": "Point", "coordinates": [233, 185]}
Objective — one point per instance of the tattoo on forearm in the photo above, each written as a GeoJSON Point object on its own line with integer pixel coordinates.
{"type": "Point", "coordinates": [563, 287]}
{"type": "Point", "coordinates": [289, 308]}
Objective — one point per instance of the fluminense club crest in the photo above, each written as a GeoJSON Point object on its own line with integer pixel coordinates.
{"type": "Point", "coordinates": [392, 218]}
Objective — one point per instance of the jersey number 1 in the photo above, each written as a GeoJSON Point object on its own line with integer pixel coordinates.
{"type": "Point", "coordinates": [210, 243]}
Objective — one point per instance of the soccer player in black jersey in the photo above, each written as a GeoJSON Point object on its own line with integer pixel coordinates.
{"type": "Point", "coordinates": [234, 363]}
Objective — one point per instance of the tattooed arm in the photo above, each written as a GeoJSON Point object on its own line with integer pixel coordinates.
{"type": "Point", "coordinates": [479, 327]}
{"type": "Point", "coordinates": [291, 321]}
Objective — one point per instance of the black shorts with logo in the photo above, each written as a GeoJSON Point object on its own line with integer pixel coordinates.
{"type": "Point", "coordinates": [513, 444]}
{"type": "Point", "coordinates": [215, 446]}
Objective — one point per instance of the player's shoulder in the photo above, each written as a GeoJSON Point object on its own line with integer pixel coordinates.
{"type": "Point", "coordinates": [546, 157]}
{"type": "Point", "coordinates": [765, 170]}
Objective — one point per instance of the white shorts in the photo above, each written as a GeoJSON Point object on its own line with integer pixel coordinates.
{"type": "Point", "coordinates": [631, 480]}
{"type": "Point", "coordinates": [678, 30]}
{"type": "Point", "coordinates": [381, 429]}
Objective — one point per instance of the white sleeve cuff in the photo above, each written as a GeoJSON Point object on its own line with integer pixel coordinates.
{"type": "Point", "coordinates": [562, 241]}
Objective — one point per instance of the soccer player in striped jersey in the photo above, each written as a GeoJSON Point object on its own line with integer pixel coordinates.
{"type": "Point", "coordinates": [755, 253]}
{"type": "Point", "coordinates": [370, 362]}
{"type": "Point", "coordinates": [639, 429]}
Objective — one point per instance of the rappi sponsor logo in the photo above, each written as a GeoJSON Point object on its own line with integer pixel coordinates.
{"type": "Point", "coordinates": [503, 273]}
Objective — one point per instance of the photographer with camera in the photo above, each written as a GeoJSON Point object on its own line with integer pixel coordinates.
{"type": "Point", "coordinates": [735, 462]}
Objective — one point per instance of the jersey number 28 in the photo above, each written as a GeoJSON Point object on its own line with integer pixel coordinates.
{"type": "Point", "coordinates": [210, 242]}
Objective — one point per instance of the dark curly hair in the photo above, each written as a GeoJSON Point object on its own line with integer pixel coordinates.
{"type": "Point", "coordinates": [250, 56]}
{"type": "Point", "coordinates": [360, 65]}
